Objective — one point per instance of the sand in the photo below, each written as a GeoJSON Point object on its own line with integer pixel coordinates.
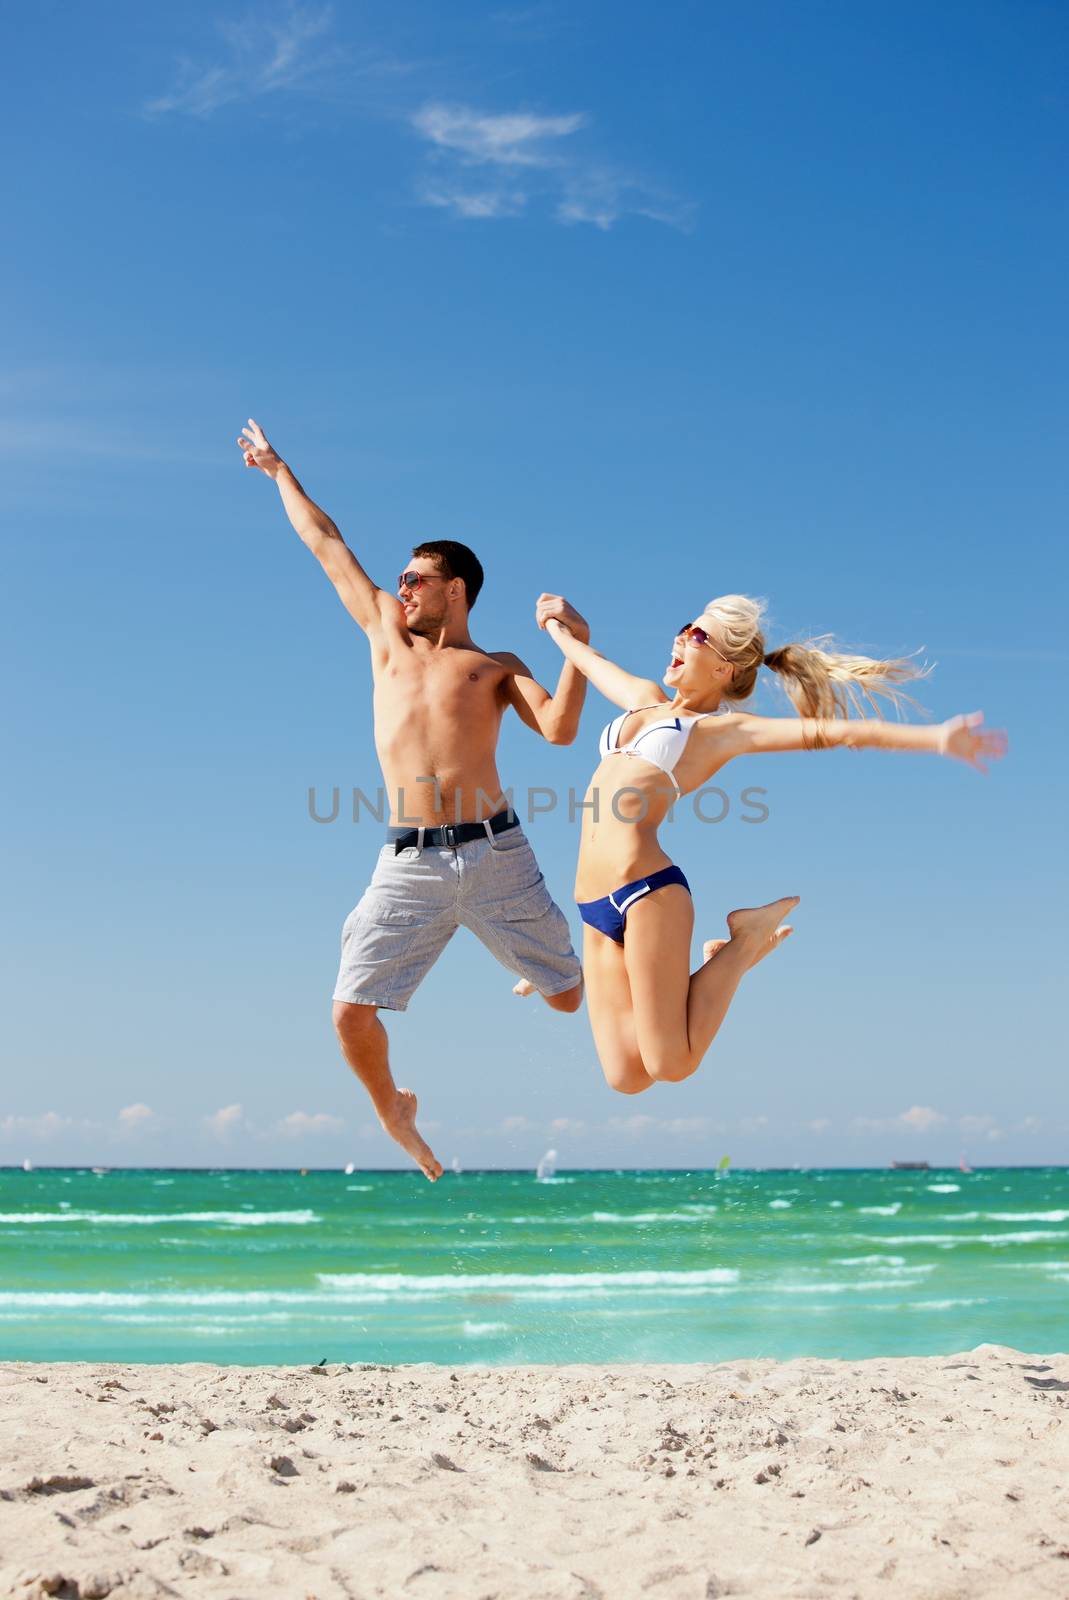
{"type": "Point", "coordinates": [938, 1477]}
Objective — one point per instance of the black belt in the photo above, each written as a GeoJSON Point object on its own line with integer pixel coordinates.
{"type": "Point", "coordinates": [457, 833]}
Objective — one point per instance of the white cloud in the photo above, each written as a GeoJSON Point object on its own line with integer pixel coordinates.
{"type": "Point", "coordinates": [569, 1125]}
{"type": "Point", "coordinates": [516, 1124]}
{"type": "Point", "coordinates": [225, 1121]}
{"type": "Point", "coordinates": [602, 195]}
{"type": "Point", "coordinates": [918, 1119]}
{"type": "Point", "coordinates": [137, 1118]}
{"type": "Point", "coordinates": [521, 154]}
{"type": "Point", "coordinates": [1029, 1125]}
{"type": "Point", "coordinates": [265, 54]}
{"type": "Point", "coordinates": [46, 1126]}
{"type": "Point", "coordinates": [819, 1125]}
{"type": "Point", "coordinates": [686, 1127]}
{"type": "Point", "coordinates": [475, 203]}
{"type": "Point", "coordinates": [921, 1118]}
{"type": "Point", "coordinates": [975, 1125]}
{"type": "Point", "coordinates": [635, 1124]}
{"type": "Point", "coordinates": [515, 139]}
{"type": "Point", "coordinates": [300, 1123]}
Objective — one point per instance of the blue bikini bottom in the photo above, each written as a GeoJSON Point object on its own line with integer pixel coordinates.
{"type": "Point", "coordinates": [609, 915]}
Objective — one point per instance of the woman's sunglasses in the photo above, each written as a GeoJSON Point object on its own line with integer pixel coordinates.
{"type": "Point", "coordinates": [699, 638]}
{"type": "Point", "coordinates": [416, 580]}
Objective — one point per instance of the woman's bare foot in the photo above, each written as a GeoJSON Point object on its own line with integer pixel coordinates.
{"type": "Point", "coordinates": [710, 947]}
{"type": "Point", "coordinates": [401, 1125]}
{"type": "Point", "coordinates": [757, 927]}
{"type": "Point", "coordinates": [524, 988]}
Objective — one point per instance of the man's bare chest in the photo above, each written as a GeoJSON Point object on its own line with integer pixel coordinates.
{"type": "Point", "coordinates": [465, 682]}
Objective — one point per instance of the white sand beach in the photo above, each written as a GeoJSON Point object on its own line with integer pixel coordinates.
{"type": "Point", "coordinates": [937, 1477]}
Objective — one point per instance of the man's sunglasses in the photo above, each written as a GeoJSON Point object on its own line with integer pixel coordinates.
{"type": "Point", "coordinates": [416, 580]}
{"type": "Point", "coordinates": [699, 638]}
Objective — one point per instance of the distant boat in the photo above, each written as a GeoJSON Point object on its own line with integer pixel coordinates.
{"type": "Point", "coordinates": [456, 1164]}
{"type": "Point", "coordinates": [27, 1166]}
{"type": "Point", "coordinates": [963, 1165]}
{"type": "Point", "coordinates": [911, 1166]}
{"type": "Point", "coordinates": [722, 1166]}
{"type": "Point", "coordinates": [547, 1167]}
{"type": "Point", "coordinates": [350, 1168]}
{"type": "Point", "coordinates": [101, 1171]}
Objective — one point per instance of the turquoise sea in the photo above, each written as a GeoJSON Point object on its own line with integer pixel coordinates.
{"type": "Point", "coordinates": [498, 1267]}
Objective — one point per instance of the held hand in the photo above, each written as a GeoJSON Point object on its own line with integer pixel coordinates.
{"type": "Point", "coordinates": [554, 608]}
{"type": "Point", "coordinates": [257, 452]}
{"type": "Point", "coordinates": [967, 740]}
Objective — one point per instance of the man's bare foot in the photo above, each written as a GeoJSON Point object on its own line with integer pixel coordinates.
{"type": "Point", "coordinates": [524, 988]}
{"type": "Point", "coordinates": [758, 926]}
{"type": "Point", "coordinates": [401, 1125]}
{"type": "Point", "coordinates": [710, 947]}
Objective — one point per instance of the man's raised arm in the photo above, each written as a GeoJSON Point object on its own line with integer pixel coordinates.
{"type": "Point", "coordinates": [362, 598]}
{"type": "Point", "coordinates": [555, 716]}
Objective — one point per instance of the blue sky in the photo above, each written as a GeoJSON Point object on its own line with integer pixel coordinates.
{"type": "Point", "coordinates": [646, 304]}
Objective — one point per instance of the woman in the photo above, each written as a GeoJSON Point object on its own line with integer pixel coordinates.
{"type": "Point", "coordinates": [652, 1019]}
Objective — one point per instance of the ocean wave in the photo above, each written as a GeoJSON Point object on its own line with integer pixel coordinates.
{"type": "Point", "coordinates": [231, 1219]}
{"type": "Point", "coordinates": [903, 1280]}
{"type": "Point", "coordinates": [15, 1304]}
{"type": "Point", "coordinates": [866, 1261]}
{"type": "Point", "coordinates": [697, 1214]}
{"type": "Point", "coordinates": [882, 1211]}
{"type": "Point", "coordinates": [943, 1188]}
{"type": "Point", "coordinates": [110, 1299]}
{"type": "Point", "coordinates": [482, 1330]}
{"type": "Point", "coordinates": [779, 1205]}
{"type": "Point", "coordinates": [946, 1239]}
{"type": "Point", "coordinates": [465, 1283]}
{"type": "Point", "coordinates": [1026, 1216]}
{"type": "Point", "coordinates": [1030, 1266]}
{"type": "Point", "coordinates": [945, 1305]}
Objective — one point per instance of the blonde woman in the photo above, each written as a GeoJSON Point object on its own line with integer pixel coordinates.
{"type": "Point", "coordinates": [653, 1020]}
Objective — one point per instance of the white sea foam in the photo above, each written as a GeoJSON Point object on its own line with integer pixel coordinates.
{"type": "Point", "coordinates": [779, 1205]}
{"type": "Point", "coordinates": [17, 1304]}
{"type": "Point", "coordinates": [945, 1305]}
{"type": "Point", "coordinates": [1030, 1266]}
{"type": "Point", "coordinates": [695, 1215]}
{"type": "Point", "coordinates": [944, 1188]}
{"type": "Point", "coordinates": [1026, 1216]}
{"type": "Point", "coordinates": [948, 1239]}
{"type": "Point", "coordinates": [464, 1283]}
{"type": "Point", "coordinates": [902, 1280]}
{"type": "Point", "coordinates": [686, 1213]}
{"type": "Point", "coordinates": [482, 1330]}
{"type": "Point", "coordinates": [145, 1219]}
{"type": "Point", "coordinates": [882, 1211]}
{"type": "Point", "coordinates": [867, 1261]}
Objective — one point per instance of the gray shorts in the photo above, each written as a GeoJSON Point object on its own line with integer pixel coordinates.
{"type": "Point", "coordinates": [417, 900]}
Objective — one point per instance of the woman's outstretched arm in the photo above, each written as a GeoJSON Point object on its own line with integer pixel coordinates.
{"type": "Point", "coordinates": [962, 737]}
{"type": "Point", "coordinates": [621, 687]}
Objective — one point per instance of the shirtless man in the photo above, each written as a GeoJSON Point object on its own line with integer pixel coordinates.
{"type": "Point", "coordinates": [455, 853]}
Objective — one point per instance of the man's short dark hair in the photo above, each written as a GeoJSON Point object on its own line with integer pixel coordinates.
{"type": "Point", "coordinates": [455, 561]}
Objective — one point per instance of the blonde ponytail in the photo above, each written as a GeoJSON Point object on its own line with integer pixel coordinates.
{"type": "Point", "coordinates": [819, 681]}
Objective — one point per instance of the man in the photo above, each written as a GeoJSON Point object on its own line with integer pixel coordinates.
{"type": "Point", "coordinates": [455, 853]}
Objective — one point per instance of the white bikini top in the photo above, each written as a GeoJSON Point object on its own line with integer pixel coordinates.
{"type": "Point", "coordinates": [660, 743]}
